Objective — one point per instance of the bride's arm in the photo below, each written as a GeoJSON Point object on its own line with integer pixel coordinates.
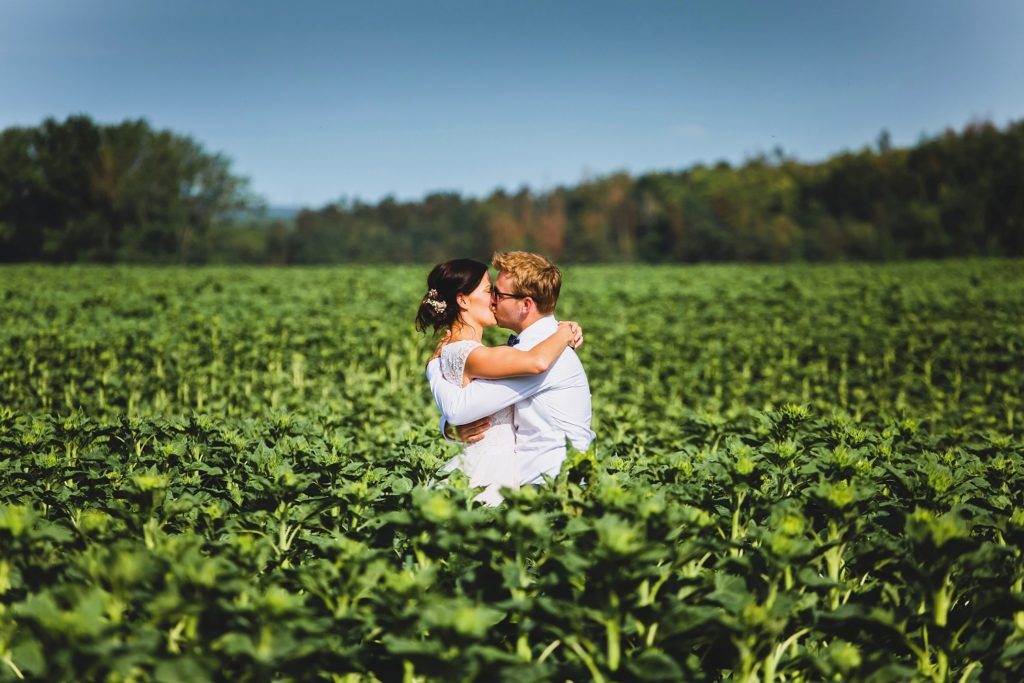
{"type": "Point", "coordinates": [497, 362]}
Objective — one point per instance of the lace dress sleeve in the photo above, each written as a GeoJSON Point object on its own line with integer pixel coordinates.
{"type": "Point", "coordinates": [453, 360]}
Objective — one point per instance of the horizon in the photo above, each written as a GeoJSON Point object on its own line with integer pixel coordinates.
{"type": "Point", "coordinates": [401, 100]}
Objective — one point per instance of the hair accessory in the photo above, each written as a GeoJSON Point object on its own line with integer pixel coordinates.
{"type": "Point", "coordinates": [431, 300]}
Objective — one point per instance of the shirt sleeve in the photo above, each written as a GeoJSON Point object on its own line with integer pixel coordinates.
{"type": "Point", "coordinates": [481, 397]}
{"type": "Point", "coordinates": [442, 425]}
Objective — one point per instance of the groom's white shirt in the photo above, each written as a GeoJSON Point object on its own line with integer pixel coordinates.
{"type": "Point", "coordinates": [549, 407]}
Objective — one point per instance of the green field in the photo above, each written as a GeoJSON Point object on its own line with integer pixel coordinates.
{"type": "Point", "coordinates": [801, 473]}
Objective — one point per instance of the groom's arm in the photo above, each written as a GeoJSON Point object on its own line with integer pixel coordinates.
{"type": "Point", "coordinates": [479, 398]}
{"type": "Point", "coordinates": [470, 432]}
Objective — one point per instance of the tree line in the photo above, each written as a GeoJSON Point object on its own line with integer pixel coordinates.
{"type": "Point", "coordinates": [80, 191]}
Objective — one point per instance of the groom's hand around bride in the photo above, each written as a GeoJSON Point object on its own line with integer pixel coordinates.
{"type": "Point", "coordinates": [437, 349]}
{"type": "Point", "coordinates": [471, 432]}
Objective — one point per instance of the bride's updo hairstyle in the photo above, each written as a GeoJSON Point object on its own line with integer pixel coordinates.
{"type": "Point", "coordinates": [438, 308]}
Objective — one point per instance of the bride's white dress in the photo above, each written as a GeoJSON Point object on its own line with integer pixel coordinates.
{"type": "Point", "coordinates": [490, 462]}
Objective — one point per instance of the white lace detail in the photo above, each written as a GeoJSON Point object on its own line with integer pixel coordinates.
{"type": "Point", "coordinates": [491, 461]}
{"type": "Point", "coordinates": [453, 360]}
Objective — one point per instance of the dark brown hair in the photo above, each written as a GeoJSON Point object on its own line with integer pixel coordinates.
{"type": "Point", "coordinates": [438, 308]}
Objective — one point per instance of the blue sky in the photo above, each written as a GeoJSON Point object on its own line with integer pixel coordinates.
{"type": "Point", "coordinates": [318, 100]}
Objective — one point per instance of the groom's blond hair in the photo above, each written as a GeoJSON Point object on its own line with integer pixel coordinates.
{"type": "Point", "coordinates": [532, 275]}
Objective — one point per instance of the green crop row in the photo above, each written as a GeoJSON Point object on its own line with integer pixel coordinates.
{"type": "Point", "coordinates": [801, 474]}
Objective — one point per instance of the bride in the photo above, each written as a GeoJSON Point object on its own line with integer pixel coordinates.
{"type": "Point", "coordinates": [460, 301]}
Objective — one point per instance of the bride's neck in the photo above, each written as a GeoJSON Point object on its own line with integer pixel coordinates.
{"type": "Point", "coordinates": [465, 332]}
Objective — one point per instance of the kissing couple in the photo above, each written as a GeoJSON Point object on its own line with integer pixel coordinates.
{"type": "Point", "coordinates": [512, 407]}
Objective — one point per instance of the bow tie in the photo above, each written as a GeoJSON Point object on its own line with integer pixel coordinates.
{"type": "Point", "coordinates": [512, 340]}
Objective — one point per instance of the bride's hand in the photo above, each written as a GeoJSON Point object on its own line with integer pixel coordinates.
{"type": "Point", "coordinates": [575, 333]}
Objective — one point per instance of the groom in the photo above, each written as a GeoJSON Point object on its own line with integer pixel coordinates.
{"type": "Point", "coordinates": [550, 407]}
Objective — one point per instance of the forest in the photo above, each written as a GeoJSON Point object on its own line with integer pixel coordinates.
{"type": "Point", "coordinates": [83, 191]}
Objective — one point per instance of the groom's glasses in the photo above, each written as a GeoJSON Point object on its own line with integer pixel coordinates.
{"type": "Point", "coordinates": [498, 295]}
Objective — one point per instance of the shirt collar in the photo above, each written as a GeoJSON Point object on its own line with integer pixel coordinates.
{"type": "Point", "coordinates": [539, 330]}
